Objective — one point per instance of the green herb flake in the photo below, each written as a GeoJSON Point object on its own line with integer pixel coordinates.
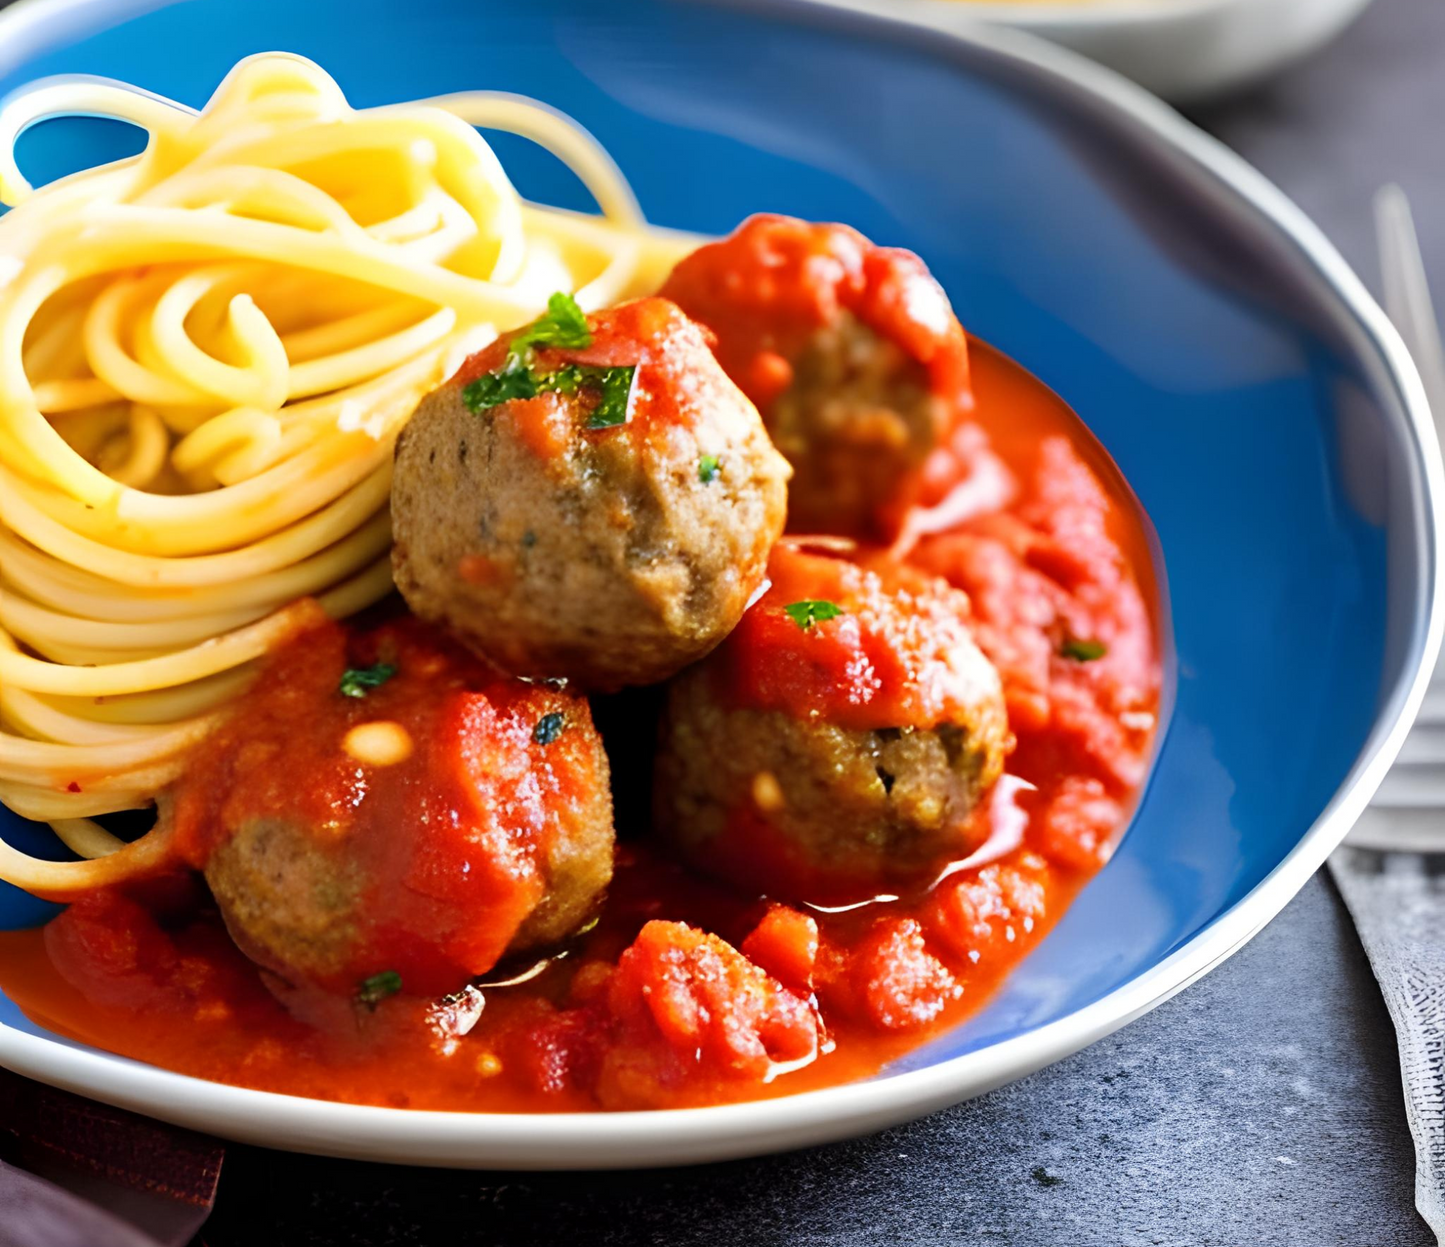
{"type": "Point", "coordinates": [613, 387]}
{"type": "Point", "coordinates": [495, 388]}
{"type": "Point", "coordinates": [549, 727]}
{"type": "Point", "coordinates": [567, 379]}
{"type": "Point", "coordinates": [358, 681]}
{"type": "Point", "coordinates": [377, 988]}
{"type": "Point", "coordinates": [563, 325]}
{"type": "Point", "coordinates": [616, 403]}
{"type": "Point", "coordinates": [807, 613]}
{"type": "Point", "coordinates": [1083, 651]}
{"type": "Point", "coordinates": [707, 469]}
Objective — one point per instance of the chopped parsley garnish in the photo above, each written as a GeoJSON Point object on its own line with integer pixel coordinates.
{"type": "Point", "coordinates": [500, 387]}
{"type": "Point", "coordinates": [549, 727]}
{"type": "Point", "coordinates": [1083, 651]}
{"type": "Point", "coordinates": [563, 325]}
{"type": "Point", "coordinates": [377, 988]}
{"type": "Point", "coordinates": [356, 681]}
{"type": "Point", "coordinates": [612, 385]}
{"type": "Point", "coordinates": [707, 469]}
{"type": "Point", "coordinates": [806, 614]}
{"type": "Point", "coordinates": [616, 384]}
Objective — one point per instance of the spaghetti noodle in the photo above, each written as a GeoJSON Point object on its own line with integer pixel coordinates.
{"type": "Point", "coordinates": [206, 353]}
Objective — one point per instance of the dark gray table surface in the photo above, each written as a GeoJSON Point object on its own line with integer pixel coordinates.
{"type": "Point", "coordinates": [1261, 1107]}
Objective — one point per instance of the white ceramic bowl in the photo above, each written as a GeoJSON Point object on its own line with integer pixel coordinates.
{"type": "Point", "coordinates": [1184, 50]}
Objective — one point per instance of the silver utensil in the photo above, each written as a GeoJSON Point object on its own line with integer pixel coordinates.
{"type": "Point", "coordinates": [1391, 871]}
{"type": "Point", "coordinates": [1408, 812]}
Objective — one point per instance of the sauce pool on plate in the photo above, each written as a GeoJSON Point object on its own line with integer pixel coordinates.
{"type": "Point", "coordinates": [689, 990]}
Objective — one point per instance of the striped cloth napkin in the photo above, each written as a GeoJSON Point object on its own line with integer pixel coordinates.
{"type": "Point", "coordinates": [1398, 903]}
{"type": "Point", "coordinates": [74, 1173]}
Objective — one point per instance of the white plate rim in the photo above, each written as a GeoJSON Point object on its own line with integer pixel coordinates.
{"type": "Point", "coordinates": [1085, 14]}
{"type": "Point", "coordinates": [687, 1136]}
{"type": "Point", "coordinates": [1042, 16]}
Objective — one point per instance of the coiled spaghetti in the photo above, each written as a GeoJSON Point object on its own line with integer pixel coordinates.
{"type": "Point", "coordinates": [206, 353]}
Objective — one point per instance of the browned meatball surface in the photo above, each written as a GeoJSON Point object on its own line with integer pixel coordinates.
{"type": "Point", "coordinates": [598, 513]}
{"type": "Point", "coordinates": [383, 802]}
{"type": "Point", "coordinates": [853, 356]}
{"type": "Point", "coordinates": [839, 741]}
{"type": "Point", "coordinates": [857, 423]}
{"type": "Point", "coordinates": [845, 808]}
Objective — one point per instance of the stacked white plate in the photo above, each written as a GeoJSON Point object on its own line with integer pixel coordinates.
{"type": "Point", "coordinates": [1181, 49]}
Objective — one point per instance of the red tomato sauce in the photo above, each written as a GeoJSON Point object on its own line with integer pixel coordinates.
{"type": "Point", "coordinates": [687, 991]}
{"type": "Point", "coordinates": [884, 661]}
{"type": "Point", "coordinates": [776, 280]}
{"type": "Point", "coordinates": [766, 291]}
{"type": "Point", "coordinates": [650, 335]}
{"type": "Point", "coordinates": [435, 908]}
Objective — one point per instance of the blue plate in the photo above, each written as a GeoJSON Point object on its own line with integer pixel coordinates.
{"type": "Point", "coordinates": [1265, 413]}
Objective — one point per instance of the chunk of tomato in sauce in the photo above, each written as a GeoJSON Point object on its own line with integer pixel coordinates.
{"type": "Point", "coordinates": [1076, 828]}
{"type": "Point", "coordinates": [1059, 612]}
{"type": "Point", "coordinates": [557, 1050]}
{"type": "Point", "coordinates": [889, 979]}
{"type": "Point", "coordinates": [980, 917]}
{"type": "Point", "coordinates": [785, 944]}
{"type": "Point", "coordinates": [691, 1011]}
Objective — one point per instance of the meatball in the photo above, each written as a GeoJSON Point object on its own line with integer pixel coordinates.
{"type": "Point", "coordinates": [384, 805]}
{"type": "Point", "coordinates": [600, 513]}
{"type": "Point", "coordinates": [838, 742]}
{"type": "Point", "coordinates": [851, 353]}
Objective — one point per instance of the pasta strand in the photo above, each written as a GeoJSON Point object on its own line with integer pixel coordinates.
{"type": "Point", "coordinates": [206, 354]}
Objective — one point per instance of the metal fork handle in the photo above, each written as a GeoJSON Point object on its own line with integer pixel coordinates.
{"type": "Point", "coordinates": [1408, 811]}
{"type": "Point", "coordinates": [1407, 293]}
